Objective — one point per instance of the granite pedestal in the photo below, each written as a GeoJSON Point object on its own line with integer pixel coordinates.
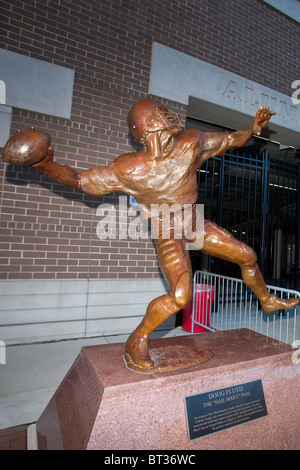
{"type": "Point", "coordinates": [101, 404]}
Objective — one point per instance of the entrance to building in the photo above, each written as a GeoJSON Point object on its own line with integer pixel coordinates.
{"type": "Point", "coordinates": [257, 199]}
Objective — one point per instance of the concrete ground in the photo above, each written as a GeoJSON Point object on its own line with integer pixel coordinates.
{"type": "Point", "coordinates": [33, 372]}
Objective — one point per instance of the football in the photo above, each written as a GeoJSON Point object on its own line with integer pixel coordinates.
{"type": "Point", "coordinates": [26, 148]}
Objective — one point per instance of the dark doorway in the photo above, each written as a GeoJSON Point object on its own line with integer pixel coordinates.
{"type": "Point", "coordinates": [256, 198]}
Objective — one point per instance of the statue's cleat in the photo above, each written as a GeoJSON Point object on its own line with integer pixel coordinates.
{"type": "Point", "coordinates": [136, 352]}
{"type": "Point", "coordinates": [274, 303]}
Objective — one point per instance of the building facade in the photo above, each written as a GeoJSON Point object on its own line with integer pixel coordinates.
{"type": "Point", "coordinates": [73, 69]}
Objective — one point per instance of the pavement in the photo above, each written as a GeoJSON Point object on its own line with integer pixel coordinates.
{"type": "Point", "coordinates": [33, 372]}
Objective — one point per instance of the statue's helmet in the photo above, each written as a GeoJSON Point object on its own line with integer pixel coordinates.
{"type": "Point", "coordinates": [148, 116]}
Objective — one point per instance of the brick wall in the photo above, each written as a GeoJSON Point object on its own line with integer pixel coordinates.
{"type": "Point", "coordinates": [49, 231]}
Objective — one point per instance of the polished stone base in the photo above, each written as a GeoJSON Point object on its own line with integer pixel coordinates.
{"type": "Point", "coordinates": [101, 404]}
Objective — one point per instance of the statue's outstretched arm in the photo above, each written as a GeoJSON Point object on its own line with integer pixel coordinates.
{"type": "Point", "coordinates": [241, 137]}
{"type": "Point", "coordinates": [217, 143]}
{"type": "Point", "coordinates": [32, 148]}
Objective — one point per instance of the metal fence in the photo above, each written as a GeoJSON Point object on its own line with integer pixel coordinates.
{"type": "Point", "coordinates": [225, 303]}
{"type": "Point", "coordinates": [257, 199]}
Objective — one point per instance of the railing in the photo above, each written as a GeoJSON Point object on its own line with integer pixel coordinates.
{"type": "Point", "coordinates": [225, 303]}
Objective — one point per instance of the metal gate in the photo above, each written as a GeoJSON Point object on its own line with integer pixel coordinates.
{"type": "Point", "coordinates": [257, 199]}
{"type": "Point", "coordinates": [227, 303]}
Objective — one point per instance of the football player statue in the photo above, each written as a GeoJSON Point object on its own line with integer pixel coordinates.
{"type": "Point", "coordinates": [163, 173]}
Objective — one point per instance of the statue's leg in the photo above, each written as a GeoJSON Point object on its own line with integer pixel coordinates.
{"type": "Point", "coordinates": [218, 242]}
{"type": "Point", "coordinates": [176, 266]}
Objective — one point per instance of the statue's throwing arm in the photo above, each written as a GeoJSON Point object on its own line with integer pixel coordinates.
{"type": "Point", "coordinates": [63, 174]}
{"type": "Point", "coordinates": [32, 148]}
{"type": "Point", "coordinates": [96, 181]}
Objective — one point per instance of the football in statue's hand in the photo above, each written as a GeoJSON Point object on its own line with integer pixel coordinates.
{"type": "Point", "coordinates": [26, 148]}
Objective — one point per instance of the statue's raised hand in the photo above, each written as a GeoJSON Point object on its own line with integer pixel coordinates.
{"type": "Point", "coordinates": [27, 148]}
{"type": "Point", "coordinates": [262, 118]}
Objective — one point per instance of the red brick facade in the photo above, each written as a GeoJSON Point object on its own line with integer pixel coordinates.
{"type": "Point", "coordinates": [48, 231]}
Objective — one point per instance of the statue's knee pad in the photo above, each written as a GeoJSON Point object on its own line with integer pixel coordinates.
{"type": "Point", "coordinates": [184, 290]}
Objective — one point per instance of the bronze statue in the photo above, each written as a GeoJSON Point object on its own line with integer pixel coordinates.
{"type": "Point", "coordinates": [163, 172]}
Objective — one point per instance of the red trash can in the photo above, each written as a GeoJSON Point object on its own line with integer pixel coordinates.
{"type": "Point", "coordinates": [204, 295]}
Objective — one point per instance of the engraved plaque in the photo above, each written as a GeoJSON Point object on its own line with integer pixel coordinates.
{"type": "Point", "coordinates": [225, 408]}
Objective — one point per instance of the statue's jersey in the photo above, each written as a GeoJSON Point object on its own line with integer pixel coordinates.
{"type": "Point", "coordinates": [170, 179]}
